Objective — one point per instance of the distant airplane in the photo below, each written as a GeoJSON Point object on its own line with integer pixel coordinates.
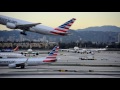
{"type": "Point", "coordinates": [10, 55]}
{"type": "Point", "coordinates": [13, 23]}
{"type": "Point", "coordinates": [83, 50]}
{"type": "Point", "coordinates": [30, 51]}
{"type": "Point", "coordinates": [23, 62]}
{"type": "Point", "coordinates": [75, 49]}
{"type": "Point", "coordinates": [10, 50]}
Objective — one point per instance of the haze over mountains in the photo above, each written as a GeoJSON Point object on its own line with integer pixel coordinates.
{"type": "Point", "coordinates": [102, 28]}
{"type": "Point", "coordinates": [103, 34]}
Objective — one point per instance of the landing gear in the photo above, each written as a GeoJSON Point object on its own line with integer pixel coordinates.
{"type": "Point", "coordinates": [23, 33]}
{"type": "Point", "coordinates": [22, 66]}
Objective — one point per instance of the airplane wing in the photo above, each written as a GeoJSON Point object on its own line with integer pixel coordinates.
{"type": "Point", "coordinates": [26, 26]}
{"type": "Point", "coordinates": [21, 63]}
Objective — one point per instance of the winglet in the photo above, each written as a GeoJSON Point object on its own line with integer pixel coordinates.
{"type": "Point", "coordinates": [38, 23]}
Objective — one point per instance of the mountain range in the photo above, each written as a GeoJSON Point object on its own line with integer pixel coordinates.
{"type": "Point", "coordinates": [103, 34]}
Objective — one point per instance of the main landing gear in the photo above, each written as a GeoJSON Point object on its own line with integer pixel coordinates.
{"type": "Point", "coordinates": [22, 66]}
{"type": "Point", "coordinates": [23, 33]}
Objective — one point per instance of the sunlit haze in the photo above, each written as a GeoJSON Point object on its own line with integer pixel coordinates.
{"type": "Point", "coordinates": [54, 19]}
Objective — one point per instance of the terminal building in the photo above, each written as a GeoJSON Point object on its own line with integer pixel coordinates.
{"type": "Point", "coordinates": [27, 45]}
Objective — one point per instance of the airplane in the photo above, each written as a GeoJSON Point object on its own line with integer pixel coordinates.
{"type": "Point", "coordinates": [13, 23]}
{"type": "Point", "coordinates": [83, 50]}
{"type": "Point", "coordinates": [30, 51]}
{"type": "Point", "coordinates": [23, 62]}
{"type": "Point", "coordinates": [75, 49]}
{"type": "Point", "coordinates": [11, 55]}
{"type": "Point", "coordinates": [10, 50]}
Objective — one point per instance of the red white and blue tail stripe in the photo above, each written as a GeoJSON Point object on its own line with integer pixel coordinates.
{"type": "Point", "coordinates": [66, 26]}
{"type": "Point", "coordinates": [53, 53]}
{"type": "Point", "coordinates": [63, 29]}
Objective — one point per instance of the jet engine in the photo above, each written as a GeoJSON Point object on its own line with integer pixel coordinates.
{"type": "Point", "coordinates": [11, 25]}
{"type": "Point", "coordinates": [16, 65]}
{"type": "Point", "coordinates": [12, 65]}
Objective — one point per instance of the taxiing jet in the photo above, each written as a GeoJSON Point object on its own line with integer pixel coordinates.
{"type": "Point", "coordinates": [23, 62]}
{"type": "Point", "coordinates": [10, 53]}
{"type": "Point", "coordinates": [9, 50]}
{"type": "Point", "coordinates": [13, 23]}
{"type": "Point", "coordinates": [30, 51]}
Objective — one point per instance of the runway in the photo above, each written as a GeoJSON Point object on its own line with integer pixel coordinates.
{"type": "Point", "coordinates": [106, 65]}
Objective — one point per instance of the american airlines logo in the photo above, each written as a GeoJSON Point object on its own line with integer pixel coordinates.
{"type": "Point", "coordinates": [7, 20]}
{"type": "Point", "coordinates": [7, 62]}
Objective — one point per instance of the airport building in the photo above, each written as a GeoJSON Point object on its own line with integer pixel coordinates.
{"type": "Point", "coordinates": [27, 44]}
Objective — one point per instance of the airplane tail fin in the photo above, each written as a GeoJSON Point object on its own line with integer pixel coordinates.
{"type": "Point", "coordinates": [53, 53]}
{"type": "Point", "coordinates": [15, 49]}
{"type": "Point", "coordinates": [66, 26]}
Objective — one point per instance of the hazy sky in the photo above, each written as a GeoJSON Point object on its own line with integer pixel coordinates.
{"type": "Point", "coordinates": [54, 19]}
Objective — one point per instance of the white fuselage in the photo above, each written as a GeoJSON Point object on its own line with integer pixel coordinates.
{"type": "Point", "coordinates": [30, 62]}
{"type": "Point", "coordinates": [10, 55]}
{"type": "Point", "coordinates": [38, 28]}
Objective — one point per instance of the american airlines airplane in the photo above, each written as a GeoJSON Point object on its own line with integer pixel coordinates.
{"type": "Point", "coordinates": [13, 23]}
{"type": "Point", "coordinates": [9, 53]}
{"type": "Point", "coordinates": [10, 50]}
{"type": "Point", "coordinates": [23, 62]}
